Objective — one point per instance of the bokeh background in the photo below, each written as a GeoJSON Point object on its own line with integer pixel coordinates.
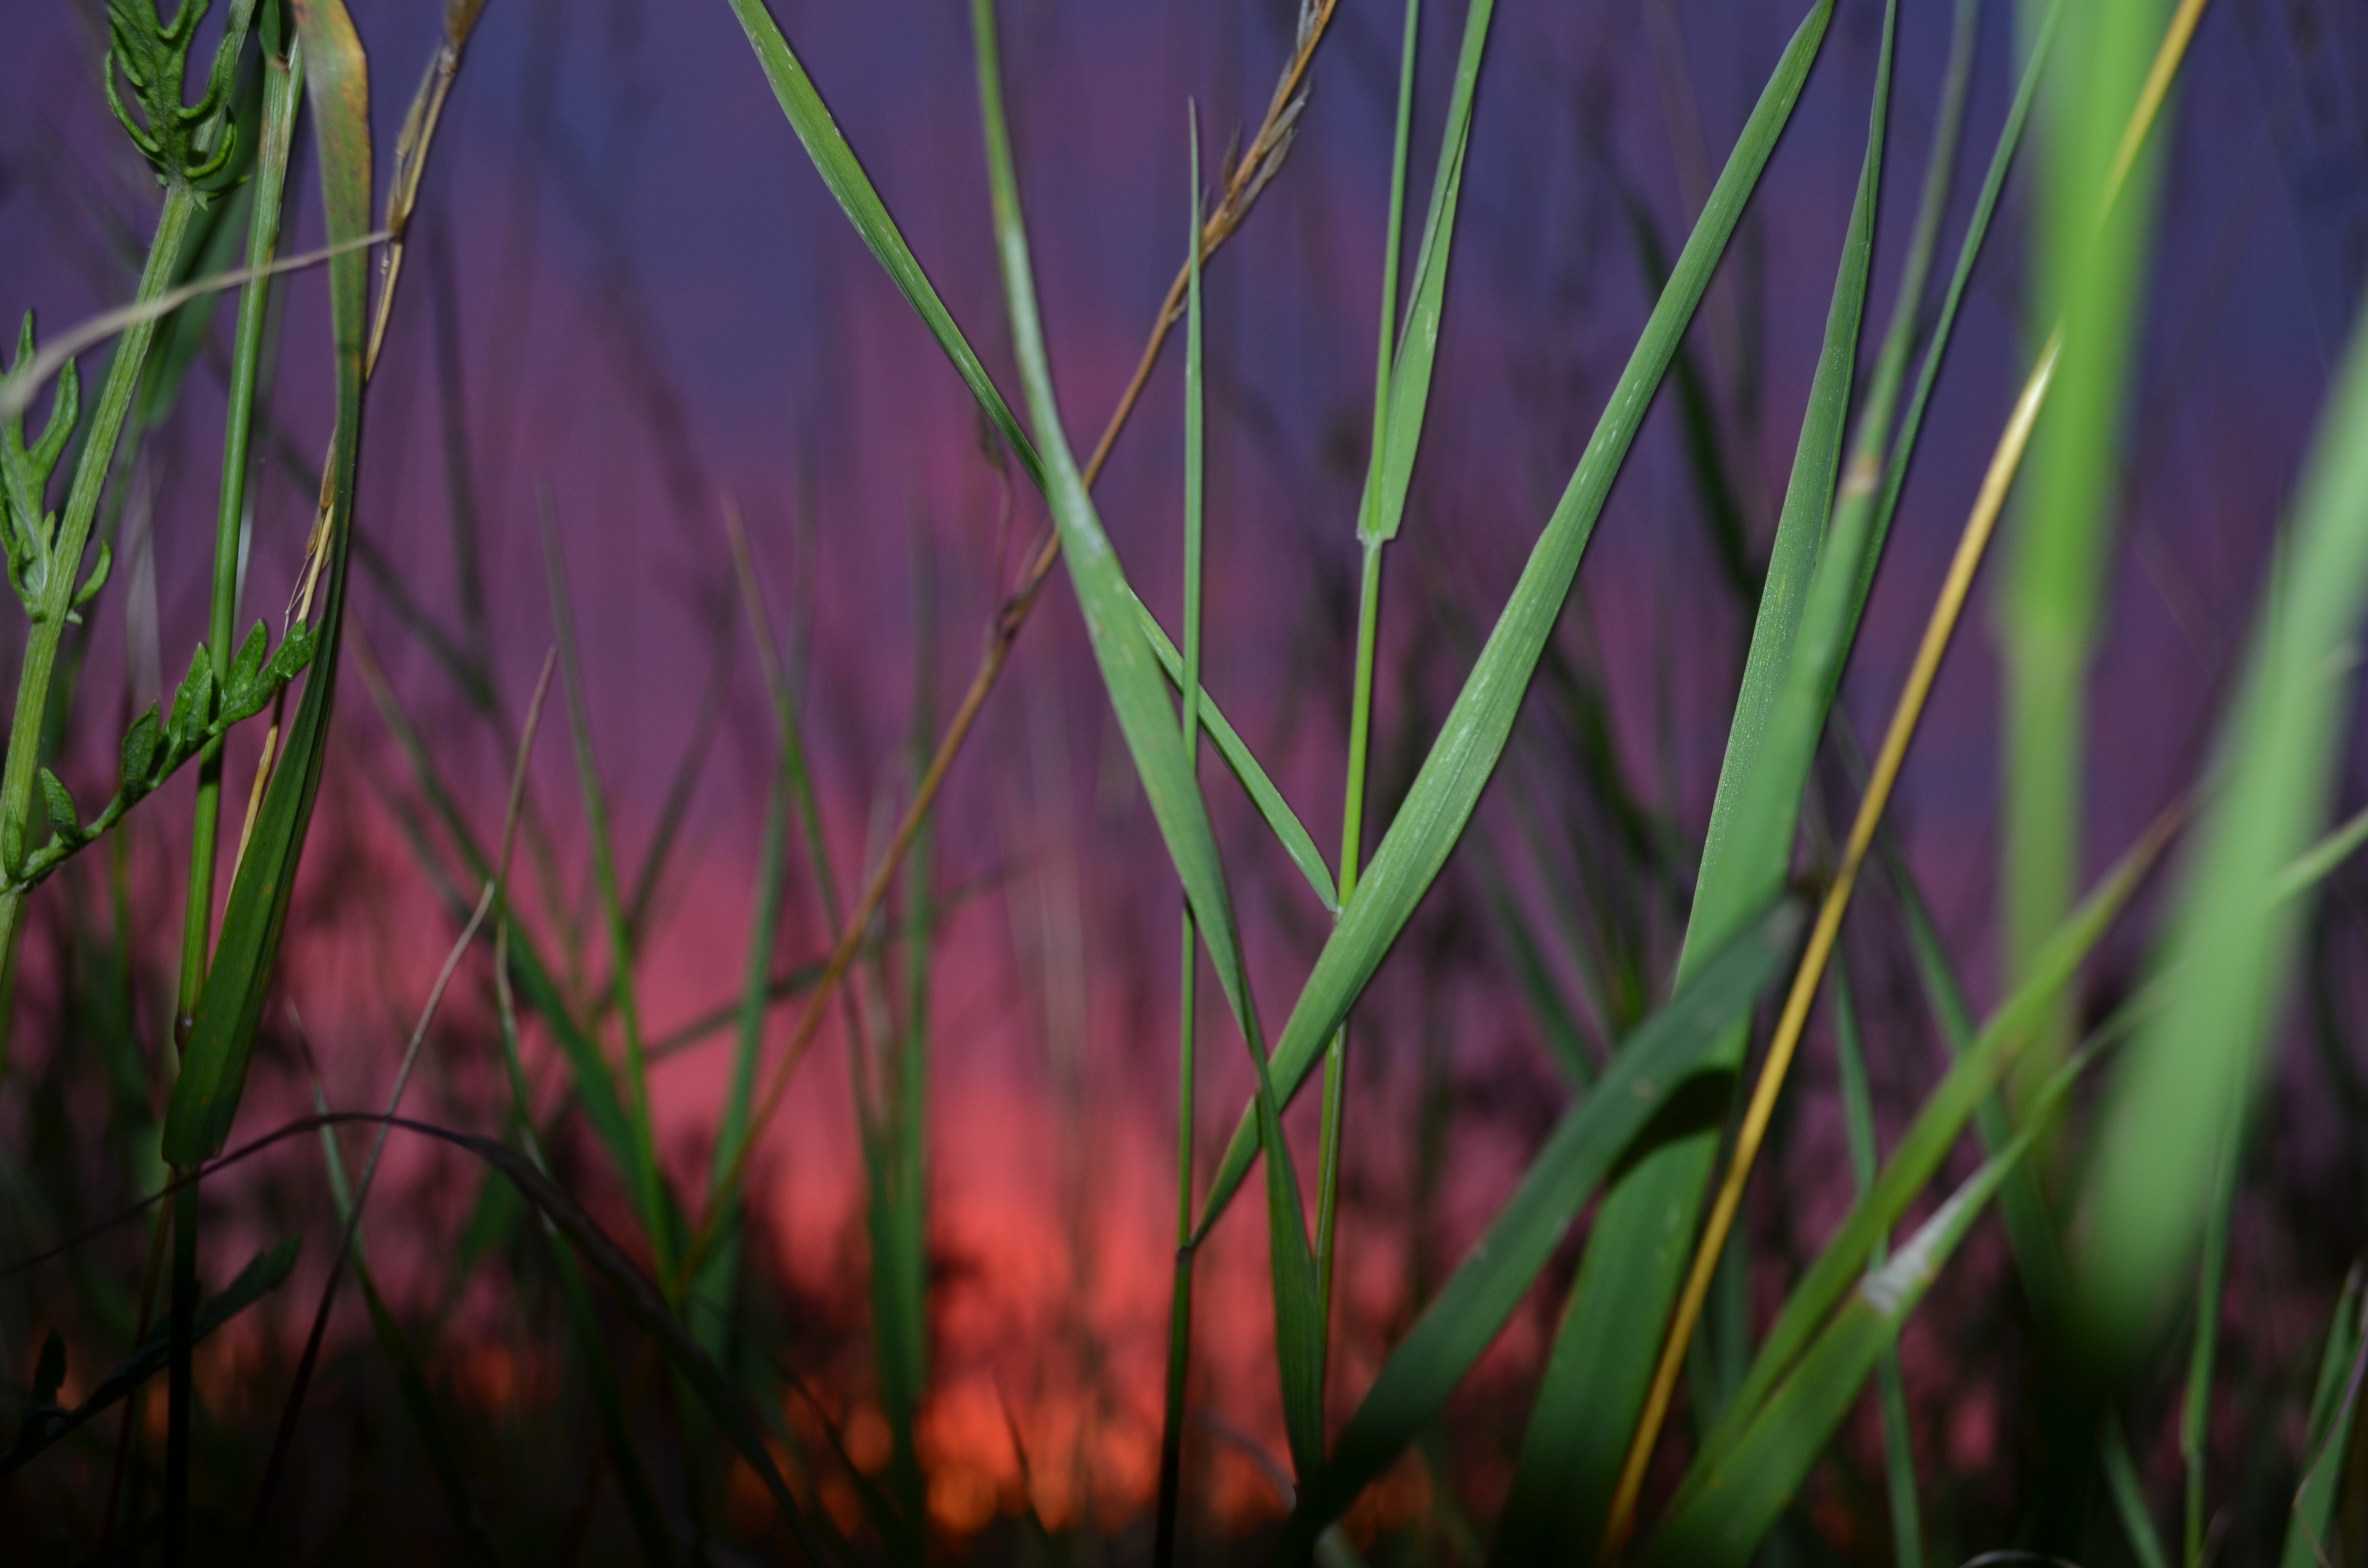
{"type": "Point", "coordinates": [635, 303]}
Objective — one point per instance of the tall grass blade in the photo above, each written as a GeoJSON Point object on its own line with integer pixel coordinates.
{"type": "Point", "coordinates": [843, 172]}
{"type": "Point", "coordinates": [1725, 1505]}
{"type": "Point", "coordinates": [2129, 1496]}
{"type": "Point", "coordinates": [1448, 786]}
{"type": "Point", "coordinates": [43, 1426]}
{"type": "Point", "coordinates": [2091, 277]}
{"type": "Point", "coordinates": [1598, 1373]}
{"type": "Point", "coordinates": [1139, 695]}
{"type": "Point", "coordinates": [1276, 812]}
{"type": "Point", "coordinates": [2184, 1091]}
{"type": "Point", "coordinates": [648, 1182]}
{"type": "Point", "coordinates": [1179, 1299]}
{"type": "Point", "coordinates": [1925, 1143]}
{"type": "Point", "coordinates": [2333, 1411]}
{"type": "Point", "coordinates": [214, 1063]}
{"type": "Point", "coordinates": [1661, 1066]}
{"type": "Point", "coordinates": [1891, 1391]}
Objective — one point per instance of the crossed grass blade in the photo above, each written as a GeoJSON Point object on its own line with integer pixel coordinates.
{"type": "Point", "coordinates": [1723, 1508]}
{"type": "Point", "coordinates": [1927, 1142]}
{"type": "Point", "coordinates": [1802, 692]}
{"type": "Point", "coordinates": [1596, 1379]}
{"type": "Point", "coordinates": [1666, 1061]}
{"type": "Point", "coordinates": [1248, 179]}
{"type": "Point", "coordinates": [1139, 695]}
{"type": "Point", "coordinates": [2184, 1091]}
{"type": "Point", "coordinates": [1447, 788]}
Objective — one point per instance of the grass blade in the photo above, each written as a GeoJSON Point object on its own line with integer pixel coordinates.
{"type": "Point", "coordinates": [648, 1182]}
{"type": "Point", "coordinates": [45, 1426]}
{"type": "Point", "coordinates": [1925, 1143]}
{"type": "Point", "coordinates": [2091, 277]}
{"type": "Point", "coordinates": [214, 1063]}
{"type": "Point", "coordinates": [1565, 1484]}
{"type": "Point", "coordinates": [2188, 1081]}
{"type": "Point", "coordinates": [1279, 818]}
{"type": "Point", "coordinates": [1448, 786]}
{"type": "Point", "coordinates": [1404, 375]}
{"type": "Point", "coordinates": [843, 172]}
{"type": "Point", "coordinates": [1139, 697]}
{"type": "Point", "coordinates": [1188, 679]}
{"type": "Point", "coordinates": [1724, 1507]}
{"type": "Point", "coordinates": [2333, 1406]}
{"type": "Point", "coordinates": [1661, 1064]}
{"type": "Point", "coordinates": [1866, 1159]}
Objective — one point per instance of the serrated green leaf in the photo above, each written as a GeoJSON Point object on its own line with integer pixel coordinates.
{"type": "Point", "coordinates": [1663, 1058]}
{"type": "Point", "coordinates": [246, 669]}
{"type": "Point", "coordinates": [1447, 788]}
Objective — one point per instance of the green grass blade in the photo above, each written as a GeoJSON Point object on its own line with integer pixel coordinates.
{"type": "Point", "coordinates": [1279, 818]}
{"type": "Point", "coordinates": [647, 1180]}
{"type": "Point", "coordinates": [1925, 1144]}
{"type": "Point", "coordinates": [595, 1086]}
{"type": "Point", "coordinates": [1139, 695]}
{"type": "Point", "coordinates": [2333, 1400]}
{"type": "Point", "coordinates": [214, 1063]}
{"type": "Point", "coordinates": [1448, 786]}
{"type": "Point", "coordinates": [1866, 1159]}
{"type": "Point", "coordinates": [43, 1427]}
{"type": "Point", "coordinates": [1725, 1505]}
{"type": "Point", "coordinates": [843, 172]}
{"type": "Point", "coordinates": [1660, 1063]}
{"type": "Point", "coordinates": [1404, 376]}
{"type": "Point", "coordinates": [1636, 1256]}
{"type": "Point", "coordinates": [2195, 1409]}
{"type": "Point", "coordinates": [1180, 1294]}
{"type": "Point", "coordinates": [2129, 1496]}
{"type": "Point", "coordinates": [410, 1377]}
{"type": "Point", "coordinates": [2091, 277]}
{"type": "Point", "coordinates": [283, 85]}
{"type": "Point", "coordinates": [2185, 1089]}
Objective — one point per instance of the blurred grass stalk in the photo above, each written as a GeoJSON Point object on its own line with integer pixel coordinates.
{"type": "Point", "coordinates": [2089, 265]}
